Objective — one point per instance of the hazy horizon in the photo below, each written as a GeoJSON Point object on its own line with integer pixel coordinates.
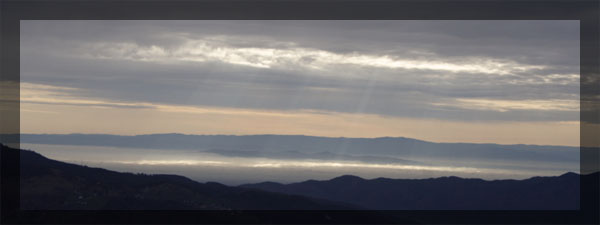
{"type": "Point", "coordinates": [233, 159]}
{"type": "Point", "coordinates": [237, 171]}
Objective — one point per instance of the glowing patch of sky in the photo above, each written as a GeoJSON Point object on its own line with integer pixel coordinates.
{"type": "Point", "coordinates": [506, 105]}
{"type": "Point", "coordinates": [204, 50]}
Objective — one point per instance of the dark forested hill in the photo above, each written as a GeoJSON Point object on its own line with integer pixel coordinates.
{"type": "Point", "coordinates": [50, 184]}
{"type": "Point", "coordinates": [537, 193]}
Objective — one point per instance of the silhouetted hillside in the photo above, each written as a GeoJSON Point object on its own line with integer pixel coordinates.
{"type": "Point", "coordinates": [537, 193]}
{"type": "Point", "coordinates": [49, 184]}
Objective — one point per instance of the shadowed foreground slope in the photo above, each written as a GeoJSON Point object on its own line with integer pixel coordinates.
{"type": "Point", "coordinates": [49, 184]}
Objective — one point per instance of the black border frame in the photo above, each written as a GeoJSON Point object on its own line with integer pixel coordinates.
{"type": "Point", "coordinates": [586, 11]}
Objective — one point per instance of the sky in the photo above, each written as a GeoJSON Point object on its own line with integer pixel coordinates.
{"type": "Point", "coordinates": [506, 82]}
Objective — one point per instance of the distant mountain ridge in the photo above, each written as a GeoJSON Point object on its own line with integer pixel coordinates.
{"type": "Point", "coordinates": [444, 193]}
{"type": "Point", "coordinates": [396, 147]}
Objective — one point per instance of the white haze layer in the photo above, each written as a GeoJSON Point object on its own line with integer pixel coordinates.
{"type": "Point", "coordinates": [204, 167]}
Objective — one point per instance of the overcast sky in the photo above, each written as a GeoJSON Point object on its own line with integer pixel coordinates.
{"type": "Point", "coordinates": [452, 81]}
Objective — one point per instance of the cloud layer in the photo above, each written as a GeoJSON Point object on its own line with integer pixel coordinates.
{"type": "Point", "coordinates": [494, 71]}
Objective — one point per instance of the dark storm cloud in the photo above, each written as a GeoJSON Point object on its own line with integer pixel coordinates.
{"type": "Point", "coordinates": [130, 61]}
